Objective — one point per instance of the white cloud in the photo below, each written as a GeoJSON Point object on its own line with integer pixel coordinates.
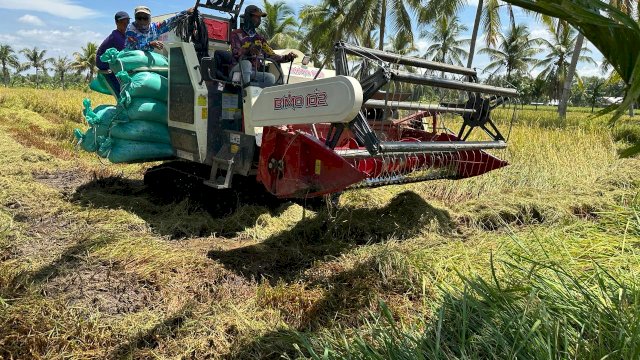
{"type": "Point", "coordinates": [62, 8]}
{"type": "Point", "coordinates": [31, 19]}
{"type": "Point", "coordinates": [57, 42]}
{"type": "Point", "coordinates": [8, 38]}
{"type": "Point", "coordinates": [422, 46]}
{"type": "Point", "coordinates": [540, 31]}
{"type": "Point", "coordinates": [590, 69]}
{"type": "Point", "coordinates": [60, 38]}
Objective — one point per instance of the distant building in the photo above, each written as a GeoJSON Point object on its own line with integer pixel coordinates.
{"type": "Point", "coordinates": [610, 100]}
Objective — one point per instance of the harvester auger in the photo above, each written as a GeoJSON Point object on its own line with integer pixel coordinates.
{"type": "Point", "coordinates": [377, 119]}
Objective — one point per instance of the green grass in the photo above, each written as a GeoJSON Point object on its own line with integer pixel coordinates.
{"type": "Point", "coordinates": [536, 260]}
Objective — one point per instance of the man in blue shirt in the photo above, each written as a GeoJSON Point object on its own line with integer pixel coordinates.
{"type": "Point", "coordinates": [115, 40]}
{"type": "Point", "coordinates": [143, 34]}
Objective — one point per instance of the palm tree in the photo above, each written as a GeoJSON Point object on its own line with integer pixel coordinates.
{"type": "Point", "coordinates": [402, 46]}
{"type": "Point", "coordinates": [85, 60]}
{"type": "Point", "coordinates": [333, 20]}
{"type": "Point", "coordinates": [19, 68]}
{"type": "Point", "coordinates": [36, 59]}
{"type": "Point", "coordinates": [279, 26]}
{"type": "Point", "coordinates": [398, 13]}
{"type": "Point", "coordinates": [61, 66]}
{"type": "Point", "coordinates": [446, 47]}
{"type": "Point", "coordinates": [516, 52]}
{"type": "Point", "coordinates": [329, 22]}
{"type": "Point", "coordinates": [559, 50]}
{"type": "Point", "coordinates": [7, 59]}
{"type": "Point", "coordinates": [487, 12]}
{"type": "Point", "coordinates": [566, 90]}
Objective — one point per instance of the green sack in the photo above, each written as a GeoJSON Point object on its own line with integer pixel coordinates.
{"type": "Point", "coordinates": [103, 114]}
{"type": "Point", "coordinates": [101, 85]}
{"type": "Point", "coordinates": [143, 85]}
{"type": "Point", "coordinates": [144, 109]}
{"type": "Point", "coordinates": [141, 131]}
{"type": "Point", "coordinates": [92, 139]}
{"type": "Point", "coordinates": [129, 60]}
{"type": "Point", "coordinates": [128, 151]}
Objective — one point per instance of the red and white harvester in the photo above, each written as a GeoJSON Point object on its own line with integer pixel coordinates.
{"type": "Point", "coordinates": [377, 119]}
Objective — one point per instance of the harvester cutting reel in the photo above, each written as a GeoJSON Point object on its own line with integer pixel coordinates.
{"type": "Point", "coordinates": [481, 117]}
{"type": "Point", "coordinates": [398, 131]}
{"type": "Point", "coordinates": [381, 91]}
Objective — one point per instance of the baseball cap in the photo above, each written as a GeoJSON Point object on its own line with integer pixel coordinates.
{"type": "Point", "coordinates": [254, 10]}
{"type": "Point", "coordinates": [120, 15]}
{"type": "Point", "coordinates": [143, 10]}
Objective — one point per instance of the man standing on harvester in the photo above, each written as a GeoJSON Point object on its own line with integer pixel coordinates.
{"type": "Point", "coordinates": [115, 40]}
{"type": "Point", "coordinates": [143, 34]}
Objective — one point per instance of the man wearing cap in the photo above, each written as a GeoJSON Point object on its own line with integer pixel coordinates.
{"type": "Point", "coordinates": [246, 43]}
{"type": "Point", "coordinates": [114, 40]}
{"type": "Point", "coordinates": [142, 34]}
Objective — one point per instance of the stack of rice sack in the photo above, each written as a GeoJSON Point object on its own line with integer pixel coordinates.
{"type": "Point", "coordinates": [136, 129]}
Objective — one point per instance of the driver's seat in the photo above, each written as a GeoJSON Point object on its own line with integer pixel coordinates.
{"type": "Point", "coordinates": [236, 76]}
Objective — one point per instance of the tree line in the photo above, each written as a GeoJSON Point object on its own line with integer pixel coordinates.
{"type": "Point", "coordinates": [389, 25]}
{"type": "Point", "coordinates": [76, 72]}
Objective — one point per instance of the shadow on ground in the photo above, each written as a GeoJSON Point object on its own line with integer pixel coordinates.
{"type": "Point", "coordinates": [182, 209]}
{"type": "Point", "coordinates": [284, 255]}
{"type": "Point", "coordinates": [150, 339]}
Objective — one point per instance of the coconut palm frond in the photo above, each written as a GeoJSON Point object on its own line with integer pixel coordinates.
{"type": "Point", "coordinates": [613, 32]}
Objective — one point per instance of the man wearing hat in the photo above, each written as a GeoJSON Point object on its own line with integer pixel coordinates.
{"type": "Point", "coordinates": [246, 43]}
{"type": "Point", "coordinates": [114, 40]}
{"type": "Point", "coordinates": [142, 34]}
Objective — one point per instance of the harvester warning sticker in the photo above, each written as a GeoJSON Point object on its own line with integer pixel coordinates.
{"type": "Point", "coordinates": [205, 113]}
{"type": "Point", "coordinates": [318, 166]}
{"type": "Point", "coordinates": [202, 100]}
{"type": "Point", "coordinates": [230, 108]}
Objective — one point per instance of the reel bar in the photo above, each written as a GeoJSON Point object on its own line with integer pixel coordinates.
{"type": "Point", "coordinates": [453, 84]}
{"type": "Point", "coordinates": [389, 147]}
{"type": "Point", "coordinates": [404, 60]}
{"type": "Point", "coordinates": [405, 105]}
{"type": "Point", "coordinates": [402, 148]}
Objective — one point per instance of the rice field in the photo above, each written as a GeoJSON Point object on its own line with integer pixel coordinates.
{"type": "Point", "coordinates": [538, 260]}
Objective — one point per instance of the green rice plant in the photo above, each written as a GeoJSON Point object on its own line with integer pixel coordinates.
{"type": "Point", "coordinates": [541, 312]}
{"type": "Point", "coordinates": [534, 303]}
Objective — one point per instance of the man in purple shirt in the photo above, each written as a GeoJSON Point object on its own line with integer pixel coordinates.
{"type": "Point", "coordinates": [115, 40]}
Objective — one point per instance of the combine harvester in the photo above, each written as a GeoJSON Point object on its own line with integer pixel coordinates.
{"type": "Point", "coordinates": [377, 119]}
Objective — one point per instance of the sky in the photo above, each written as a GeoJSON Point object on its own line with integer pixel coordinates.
{"type": "Point", "coordinates": [62, 27]}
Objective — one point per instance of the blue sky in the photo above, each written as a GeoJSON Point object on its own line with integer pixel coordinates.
{"type": "Point", "coordinates": [63, 26]}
